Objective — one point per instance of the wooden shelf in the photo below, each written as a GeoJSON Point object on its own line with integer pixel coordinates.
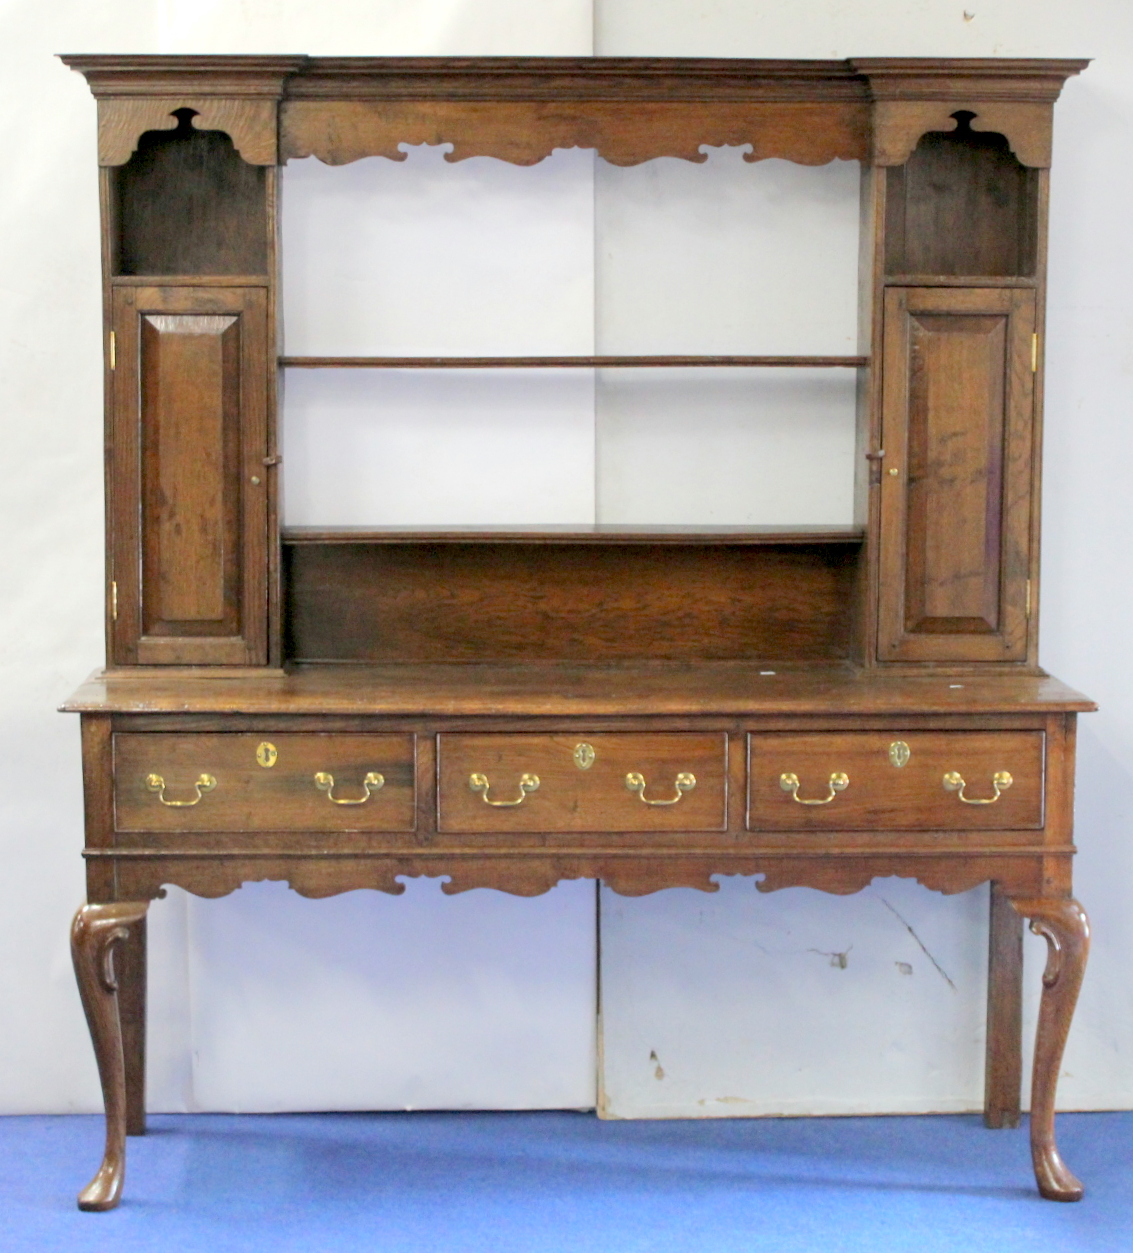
{"type": "Point", "coordinates": [952, 280]}
{"type": "Point", "coordinates": [561, 363]}
{"type": "Point", "coordinates": [598, 533]}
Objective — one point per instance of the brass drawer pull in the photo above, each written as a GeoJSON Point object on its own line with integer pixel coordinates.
{"type": "Point", "coordinates": [205, 783]}
{"type": "Point", "coordinates": [373, 782]}
{"type": "Point", "coordinates": [839, 782]}
{"type": "Point", "coordinates": [636, 783]}
{"type": "Point", "coordinates": [1001, 781]}
{"type": "Point", "coordinates": [527, 783]}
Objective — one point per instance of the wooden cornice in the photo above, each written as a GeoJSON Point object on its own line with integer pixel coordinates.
{"type": "Point", "coordinates": [571, 79]}
{"type": "Point", "coordinates": [579, 78]}
{"type": "Point", "coordinates": [113, 75]}
{"type": "Point", "coordinates": [519, 109]}
{"type": "Point", "coordinates": [986, 79]}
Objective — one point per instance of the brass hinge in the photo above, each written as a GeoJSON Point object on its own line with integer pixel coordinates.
{"type": "Point", "coordinates": [112, 352]}
{"type": "Point", "coordinates": [1034, 352]}
{"type": "Point", "coordinates": [114, 602]}
{"type": "Point", "coordinates": [1028, 598]}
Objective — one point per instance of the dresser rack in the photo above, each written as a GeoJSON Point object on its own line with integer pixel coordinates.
{"type": "Point", "coordinates": [649, 706]}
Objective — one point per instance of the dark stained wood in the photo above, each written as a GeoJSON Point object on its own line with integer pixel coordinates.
{"type": "Point", "coordinates": [569, 533]}
{"type": "Point", "coordinates": [248, 796]}
{"type": "Point", "coordinates": [571, 798]}
{"type": "Point", "coordinates": [955, 517]}
{"type": "Point", "coordinates": [190, 419]}
{"type": "Point", "coordinates": [191, 474]}
{"type": "Point", "coordinates": [621, 132]}
{"type": "Point", "coordinates": [130, 971]}
{"type": "Point", "coordinates": [667, 650]}
{"type": "Point", "coordinates": [961, 205]}
{"type": "Point", "coordinates": [235, 94]}
{"type": "Point", "coordinates": [495, 602]}
{"type": "Point", "coordinates": [1066, 929]}
{"type": "Point", "coordinates": [519, 108]}
{"type": "Point", "coordinates": [188, 204]}
{"type": "Point", "coordinates": [1003, 1066]}
{"type": "Point", "coordinates": [96, 931]}
{"type": "Point", "coordinates": [880, 795]}
{"type": "Point", "coordinates": [98, 801]}
{"type": "Point", "coordinates": [556, 363]}
{"type": "Point", "coordinates": [1013, 97]}
{"type": "Point", "coordinates": [631, 689]}
{"type": "Point", "coordinates": [629, 873]}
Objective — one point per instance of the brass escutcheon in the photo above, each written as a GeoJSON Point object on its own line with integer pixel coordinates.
{"type": "Point", "coordinates": [204, 783]}
{"type": "Point", "coordinates": [584, 755]}
{"type": "Point", "coordinates": [1000, 781]}
{"type": "Point", "coordinates": [373, 782]}
{"type": "Point", "coordinates": [838, 782]}
{"type": "Point", "coordinates": [899, 754]}
{"type": "Point", "coordinates": [266, 754]}
{"type": "Point", "coordinates": [685, 782]}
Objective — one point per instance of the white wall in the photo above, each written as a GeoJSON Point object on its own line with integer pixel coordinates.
{"type": "Point", "coordinates": [489, 1000]}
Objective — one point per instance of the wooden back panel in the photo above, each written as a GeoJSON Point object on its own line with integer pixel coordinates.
{"type": "Point", "coordinates": [349, 600]}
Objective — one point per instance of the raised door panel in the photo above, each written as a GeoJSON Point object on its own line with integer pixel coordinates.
{"type": "Point", "coordinates": [955, 492]}
{"type": "Point", "coordinates": [189, 506]}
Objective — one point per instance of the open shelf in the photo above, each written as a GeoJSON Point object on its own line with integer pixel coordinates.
{"type": "Point", "coordinates": [572, 593]}
{"type": "Point", "coordinates": [596, 533]}
{"type": "Point", "coordinates": [560, 363]}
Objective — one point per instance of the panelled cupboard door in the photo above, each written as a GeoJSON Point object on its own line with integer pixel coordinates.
{"type": "Point", "coordinates": [189, 514]}
{"type": "Point", "coordinates": [957, 429]}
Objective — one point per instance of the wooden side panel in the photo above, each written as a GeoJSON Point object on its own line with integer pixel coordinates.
{"type": "Point", "coordinates": [956, 510]}
{"type": "Point", "coordinates": [189, 512]}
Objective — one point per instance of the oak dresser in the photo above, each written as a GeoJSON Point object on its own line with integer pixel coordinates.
{"type": "Point", "coordinates": [646, 706]}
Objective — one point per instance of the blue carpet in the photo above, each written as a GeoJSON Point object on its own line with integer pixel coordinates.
{"type": "Point", "coordinates": [544, 1182]}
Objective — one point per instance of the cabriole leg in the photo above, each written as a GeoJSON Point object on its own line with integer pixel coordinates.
{"type": "Point", "coordinates": [1066, 929]}
{"type": "Point", "coordinates": [96, 931]}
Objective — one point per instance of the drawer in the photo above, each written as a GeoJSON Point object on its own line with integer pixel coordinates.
{"type": "Point", "coordinates": [859, 781]}
{"type": "Point", "coordinates": [263, 782]}
{"type": "Point", "coordinates": [676, 782]}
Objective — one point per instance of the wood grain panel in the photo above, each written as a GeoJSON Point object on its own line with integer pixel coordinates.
{"type": "Point", "coordinates": [569, 798]}
{"type": "Point", "coordinates": [962, 205]}
{"type": "Point", "coordinates": [188, 507]}
{"type": "Point", "coordinates": [886, 797]}
{"type": "Point", "coordinates": [188, 204]}
{"type": "Point", "coordinates": [955, 508]}
{"type": "Point", "coordinates": [191, 481]}
{"type": "Point", "coordinates": [525, 131]}
{"type": "Point", "coordinates": [497, 601]}
{"type": "Point", "coordinates": [955, 472]}
{"type": "Point", "coordinates": [251, 797]}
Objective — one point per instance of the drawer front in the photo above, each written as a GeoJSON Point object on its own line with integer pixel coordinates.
{"type": "Point", "coordinates": [263, 782]}
{"type": "Point", "coordinates": [858, 778]}
{"type": "Point", "coordinates": [676, 782]}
